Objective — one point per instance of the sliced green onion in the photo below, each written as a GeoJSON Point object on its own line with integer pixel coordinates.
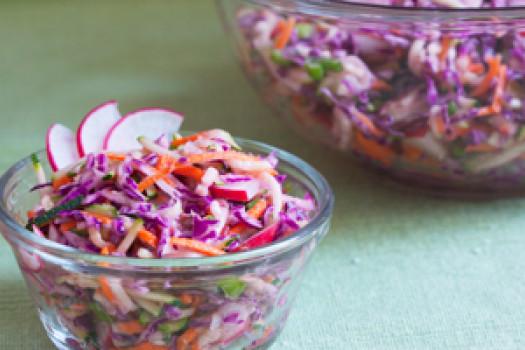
{"type": "Point", "coordinates": [231, 286]}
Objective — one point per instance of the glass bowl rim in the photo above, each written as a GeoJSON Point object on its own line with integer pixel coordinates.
{"type": "Point", "coordinates": [341, 8]}
{"type": "Point", "coordinates": [43, 245]}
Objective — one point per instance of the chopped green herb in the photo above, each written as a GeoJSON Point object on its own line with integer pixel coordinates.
{"type": "Point", "coordinates": [304, 30]}
{"type": "Point", "coordinates": [277, 57]}
{"type": "Point", "coordinates": [210, 217]}
{"type": "Point", "coordinates": [170, 327]}
{"type": "Point", "coordinates": [370, 108]}
{"type": "Point", "coordinates": [99, 312]}
{"type": "Point", "coordinates": [452, 108]}
{"type": "Point", "coordinates": [331, 65]}
{"type": "Point", "coordinates": [231, 286]}
{"type": "Point", "coordinates": [145, 318]}
{"type": "Point", "coordinates": [177, 302]}
{"type": "Point", "coordinates": [315, 70]}
{"type": "Point", "coordinates": [71, 174]}
{"type": "Point", "coordinates": [108, 176]}
{"type": "Point", "coordinates": [136, 177]}
{"type": "Point", "coordinates": [219, 183]}
{"type": "Point", "coordinates": [231, 240]}
{"type": "Point", "coordinates": [252, 203]}
{"type": "Point", "coordinates": [35, 159]}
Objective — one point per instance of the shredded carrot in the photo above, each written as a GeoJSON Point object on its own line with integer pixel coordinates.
{"type": "Point", "coordinates": [255, 212]}
{"type": "Point", "coordinates": [285, 34]}
{"type": "Point", "coordinates": [104, 219]}
{"type": "Point", "coordinates": [505, 129]}
{"type": "Point", "coordinates": [185, 139]}
{"type": "Point", "coordinates": [381, 85]}
{"type": "Point", "coordinates": [129, 327]}
{"type": "Point", "coordinates": [150, 180]}
{"type": "Point", "coordinates": [30, 214]}
{"type": "Point", "coordinates": [186, 338]}
{"type": "Point", "coordinates": [499, 90]}
{"type": "Point", "coordinates": [147, 346]}
{"type": "Point", "coordinates": [106, 289]}
{"type": "Point", "coordinates": [108, 249]}
{"type": "Point", "coordinates": [483, 111]}
{"type": "Point", "coordinates": [445, 46]}
{"type": "Point", "coordinates": [477, 68]}
{"type": "Point", "coordinates": [163, 161]}
{"type": "Point", "coordinates": [115, 156]}
{"type": "Point", "coordinates": [67, 226]}
{"type": "Point", "coordinates": [375, 150]}
{"type": "Point", "coordinates": [197, 300]}
{"type": "Point", "coordinates": [195, 346]}
{"type": "Point", "coordinates": [367, 122]}
{"type": "Point", "coordinates": [148, 237]}
{"type": "Point", "coordinates": [64, 179]}
{"type": "Point", "coordinates": [198, 246]}
{"type": "Point", "coordinates": [190, 171]}
{"type": "Point", "coordinates": [412, 153]}
{"type": "Point", "coordinates": [78, 306]}
{"type": "Point", "coordinates": [484, 85]}
{"type": "Point", "coordinates": [226, 155]}
{"type": "Point", "coordinates": [481, 148]}
{"type": "Point", "coordinates": [266, 334]}
{"type": "Point", "coordinates": [186, 298]}
{"type": "Point", "coordinates": [439, 124]}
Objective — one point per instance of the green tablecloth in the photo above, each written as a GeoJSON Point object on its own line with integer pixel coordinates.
{"type": "Point", "coordinates": [396, 271]}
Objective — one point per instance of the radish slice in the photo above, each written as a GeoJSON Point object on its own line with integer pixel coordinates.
{"type": "Point", "coordinates": [259, 239]}
{"type": "Point", "coordinates": [242, 191]}
{"type": "Point", "coordinates": [61, 146]}
{"type": "Point", "coordinates": [95, 126]}
{"type": "Point", "coordinates": [149, 123]}
{"type": "Point", "coordinates": [31, 261]}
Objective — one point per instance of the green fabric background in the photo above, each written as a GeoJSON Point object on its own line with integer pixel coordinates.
{"type": "Point", "coordinates": [396, 271]}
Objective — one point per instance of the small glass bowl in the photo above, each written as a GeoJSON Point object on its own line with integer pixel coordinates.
{"type": "Point", "coordinates": [432, 97]}
{"type": "Point", "coordinates": [66, 287]}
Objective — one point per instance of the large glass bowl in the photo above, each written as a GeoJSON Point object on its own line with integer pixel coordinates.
{"type": "Point", "coordinates": [432, 97]}
{"type": "Point", "coordinates": [66, 286]}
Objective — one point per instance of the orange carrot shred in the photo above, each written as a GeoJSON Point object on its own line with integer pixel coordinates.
{"type": "Point", "coordinates": [30, 214]}
{"type": "Point", "coordinates": [147, 346]}
{"type": "Point", "coordinates": [148, 237]}
{"type": "Point", "coordinates": [481, 148]}
{"type": "Point", "coordinates": [61, 181]}
{"type": "Point", "coordinates": [186, 298]}
{"type": "Point", "coordinates": [67, 226]}
{"type": "Point", "coordinates": [375, 150]}
{"type": "Point", "coordinates": [285, 34]}
{"type": "Point", "coordinates": [115, 156]}
{"type": "Point", "coordinates": [367, 122]}
{"type": "Point", "coordinates": [381, 85]}
{"type": "Point", "coordinates": [484, 85]}
{"type": "Point", "coordinates": [186, 338]}
{"type": "Point", "coordinates": [255, 212]}
{"type": "Point", "coordinates": [483, 111]}
{"type": "Point", "coordinates": [185, 139]}
{"type": "Point", "coordinates": [129, 327]}
{"type": "Point", "coordinates": [106, 289]}
{"type": "Point", "coordinates": [445, 46]}
{"type": "Point", "coordinates": [196, 245]}
{"type": "Point", "coordinates": [190, 171]}
{"type": "Point", "coordinates": [499, 90]}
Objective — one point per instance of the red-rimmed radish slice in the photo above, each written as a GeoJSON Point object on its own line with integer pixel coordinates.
{"type": "Point", "coordinates": [31, 261]}
{"type": "Point", "coordinates": [242, 191]}
{"type": "Point", "coordinates": [61, 146]}
{"type": "Point", "coordinates": [149, 122]}
{"type": "Point", "coordinates": [95, 126]}
{"type": "Point", "coordinates": [264, 237]}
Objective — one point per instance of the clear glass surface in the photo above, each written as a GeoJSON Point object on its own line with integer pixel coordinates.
{"type": "Point", "coordinates": [459, 140]}
{"type": "Point", "coordinates": [64, 282]}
